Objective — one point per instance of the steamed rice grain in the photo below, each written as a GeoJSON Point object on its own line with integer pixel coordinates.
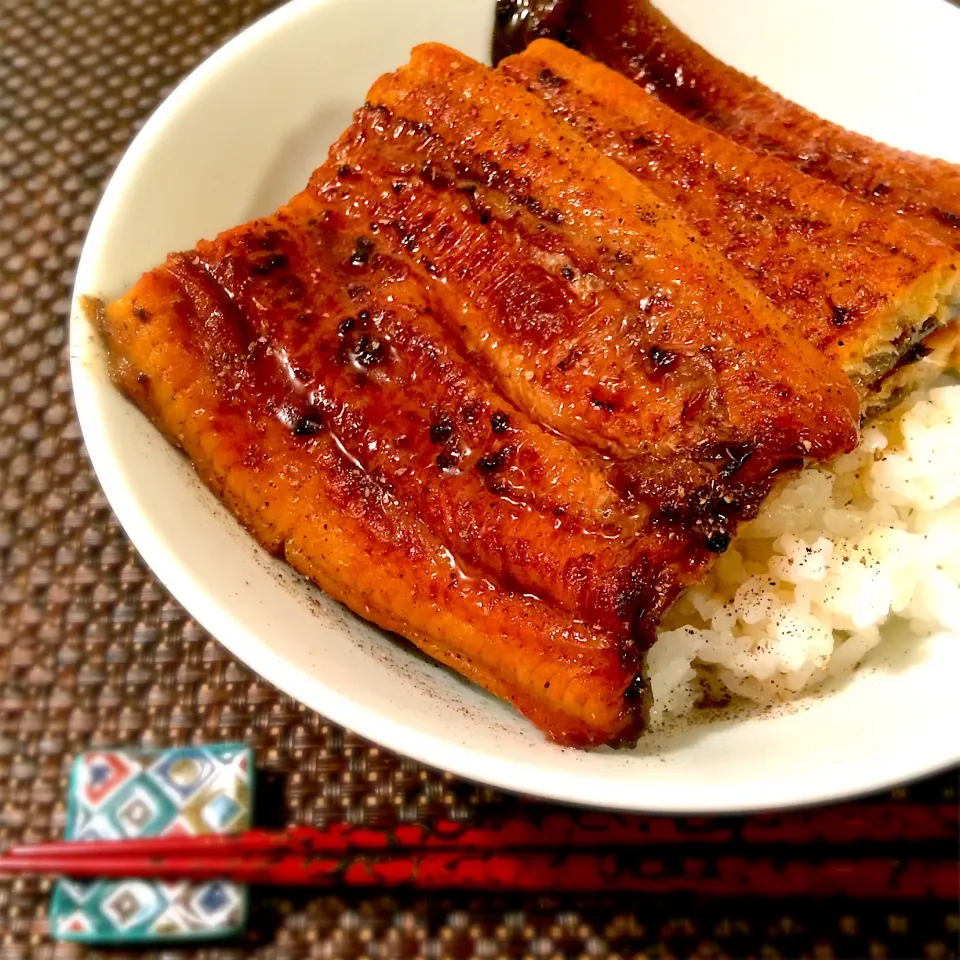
{"type": "Point", "coordinates": [803, 592]}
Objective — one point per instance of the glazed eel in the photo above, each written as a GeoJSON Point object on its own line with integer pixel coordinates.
{"type": "Point", "coordinates": [480, 384]}
{"type": "Point", "coordinates": [862, 285]}
{"type": "Point", "coordinates": [923, 193]}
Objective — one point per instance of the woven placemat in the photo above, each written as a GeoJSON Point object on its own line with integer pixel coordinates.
{"type": "Point", "coordinates": [93, 652]}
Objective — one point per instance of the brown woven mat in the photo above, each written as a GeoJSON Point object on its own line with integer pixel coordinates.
{"type": "Point", "coordinates": [94, 652]}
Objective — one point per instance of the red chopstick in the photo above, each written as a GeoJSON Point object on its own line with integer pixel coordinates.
{"type": "Point", "coordinates": [558, 851]}
{"type": "Point", "coordinates": [552, 831]}
{"type": "Point", "coordinates": [533, 872]}
{"type": "Point", "coordinates": [556, 830]}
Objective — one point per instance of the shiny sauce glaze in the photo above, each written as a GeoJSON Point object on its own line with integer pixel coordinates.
{"type": "Point", "coordinates": [331, 332]}
{"type": "Point", "coordinates": [638, 366]}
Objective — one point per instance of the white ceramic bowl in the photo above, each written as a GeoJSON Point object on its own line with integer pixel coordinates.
{"type": "Point", "coordinates": [239, 136]}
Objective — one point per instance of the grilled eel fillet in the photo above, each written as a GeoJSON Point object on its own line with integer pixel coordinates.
{"type": "Point", "coordinates": [481, 386]}
{"type": "Point", "coordinates": [636, 39]}
{"type": "Point", "coordinates": [862, 285]}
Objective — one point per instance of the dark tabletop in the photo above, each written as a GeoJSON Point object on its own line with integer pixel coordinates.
{"type": "Point", "coordinates": [94, 652]}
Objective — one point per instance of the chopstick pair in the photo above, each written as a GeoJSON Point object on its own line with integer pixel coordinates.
{"type": "Point", "coordinates": [560, 852]}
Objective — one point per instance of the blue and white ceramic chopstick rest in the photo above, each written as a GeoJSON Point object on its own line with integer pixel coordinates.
{"type": "Point", "coordinates": [118, 794]}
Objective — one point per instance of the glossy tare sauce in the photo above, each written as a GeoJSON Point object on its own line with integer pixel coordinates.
{"type": "Point", "coordinates": [520, 22]}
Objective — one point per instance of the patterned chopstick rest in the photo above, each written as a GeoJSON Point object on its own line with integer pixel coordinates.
{"type": "Point", "coordinates": [117, 794]}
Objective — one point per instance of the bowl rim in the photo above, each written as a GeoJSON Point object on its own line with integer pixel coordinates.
{"type": "Point", "coordinates": [378, 725]}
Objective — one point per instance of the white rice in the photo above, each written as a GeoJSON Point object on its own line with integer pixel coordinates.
{"type": "Point", "coordinates": [803, 592]}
